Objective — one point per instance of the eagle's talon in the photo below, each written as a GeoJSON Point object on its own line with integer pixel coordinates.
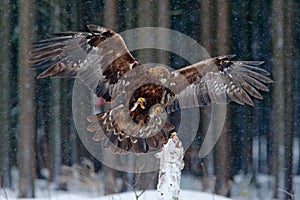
{"type": "Point", "coordinates": [158, 110]}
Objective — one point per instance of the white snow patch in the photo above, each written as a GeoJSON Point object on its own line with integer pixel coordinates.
{"type": "Point", "coordinates": [152, 195]}
{"type": "Point", "coordinates": [148, 195]}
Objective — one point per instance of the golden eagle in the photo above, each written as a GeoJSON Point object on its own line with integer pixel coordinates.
{"type": "Point", "coordinates": [142, 97]}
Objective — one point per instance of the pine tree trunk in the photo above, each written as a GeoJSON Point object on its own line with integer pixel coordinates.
{"type": "Point", "coordinates": [146, 18]}
{"type": "Point", "coordinates": [163, 20]}
{"type": "Point", "coordinates": [110, 184]}
{"type": "Point", "coordinates": [55, 111]}
{"type": "Point", "coordinates": [207, 32]}
{"type": "Point", "coordinates": [278, 96]}
{"type": "Point", "coordinates": [222, 161]}
{"type": "Point", "coordinates": [297, 80]}
{"type": "Point", "coordinates": [5, 65]}
{"type": "Point", "coordinates": [207, 25]}
{"type": "Point", "coordinates": [26, 129]}
{"type": "Point", "coordinates": [289, 77]}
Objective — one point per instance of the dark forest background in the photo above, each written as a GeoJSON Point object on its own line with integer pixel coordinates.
{"type": "Point", "coordinates": [36, 124]}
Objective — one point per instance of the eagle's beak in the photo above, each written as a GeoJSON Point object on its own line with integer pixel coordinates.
{"type": "Point", "coordinates": [141, 101]}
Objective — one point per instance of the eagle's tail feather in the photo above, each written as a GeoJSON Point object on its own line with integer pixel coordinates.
{"type": "Point", "coordinates": [108, 131]}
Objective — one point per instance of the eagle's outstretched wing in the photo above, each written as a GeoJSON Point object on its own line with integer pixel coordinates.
{"type": "Point", "coordinates": [220, 80]}
{"type": "Point", "coordinates": [99, 57]}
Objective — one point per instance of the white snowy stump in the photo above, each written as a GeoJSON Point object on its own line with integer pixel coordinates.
{"type": "Point", "coordinates": [171, 164]}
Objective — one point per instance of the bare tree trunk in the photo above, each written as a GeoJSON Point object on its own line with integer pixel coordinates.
{"type": "Point", "coordinates": [55, 112]}
{"type": "Point", "coordinates": [241, 140]}
{"type": "Point", "coordinates": [26, 129]}
{"type": "Point", "coordinates": [278, 95]}
{"type": "Point", "coordinates": [110, 19]}
{"type": "Point", "coordinates": [5, 65]}
{"type": "Point", "coordinates": [130, 17]}
{"type": "Point", "coordinates": [207, 32]}
{"type": "Point", "coordinates": [110, 183]}
{"type": "Point", "coordinates": [297, 92]}
{"type": "Point", "coordinates": [146, 18]}
{"type": "Point", "coordinates": [171, 164]}
{"type": "Point", "coordinates": [55, 131]}
{"type": "Point", "coordinates": [163, 20]}
{"type": "Point", "coordinates": [222, 161]}
{"type": "Point", "coordinates": [207, 25]}
{"type": "Point", "coordinates": [73, 151]}
{"type": "Point", "coordinates": [289, 77]}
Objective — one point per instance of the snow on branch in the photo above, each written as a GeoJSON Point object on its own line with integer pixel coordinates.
{"type": "Point", "coordinates": [171, 164]}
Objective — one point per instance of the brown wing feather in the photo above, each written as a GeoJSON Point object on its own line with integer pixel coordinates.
{"type": "Point", "coordinates": [98, 58]}
{"type": "Point", "coordinates": [220, 80]}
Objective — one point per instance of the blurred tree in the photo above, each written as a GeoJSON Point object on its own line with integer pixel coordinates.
{"type": "Point", "coordinates": [259, 123]}
{"type": "Point", "coordinates": [129, 14]}
{"type": "Point", "coordinates": [208, 26]}
{"type": "Point", "coordinates": [146, 17]}
{"type": "Point", "coordinates": [5, 99]}
{"type": "Point", "coordinates": [297, 76]}
{"type": "Point", "coordinates": [222, 157]}
{"type": "Point", "coordinates": [207, 35]}
{"type": "Point", "coordinates": [248, 118]}
{"type": "Point", "coordinates": [72, 149]}
{"type": "Point", "coordinates": [163, 20]}
{"type": "Point", "coordinates": [289, 108]}
{"type": "Point", "coordinates": [190, 16]}
{"type": "Point", "coordinates": [55, 125]}
{"type": "Point", "coordinates": [241, 138]}
{"type": "Point", "coordinates": [26, 126]}
{"type": "Point", "coordinates": [42, 95]}
{"type": "Point", "coordinates": [110, 184]}
{"type": "Point", "coordinates": [278, 129]}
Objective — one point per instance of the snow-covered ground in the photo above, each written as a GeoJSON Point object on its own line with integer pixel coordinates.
{"type": "Point", "coordinates": [148, 195]}
{"type": "Point", "coordinates": [243, 187]}
{"type": "Point", "coordinates": [152, 195]}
